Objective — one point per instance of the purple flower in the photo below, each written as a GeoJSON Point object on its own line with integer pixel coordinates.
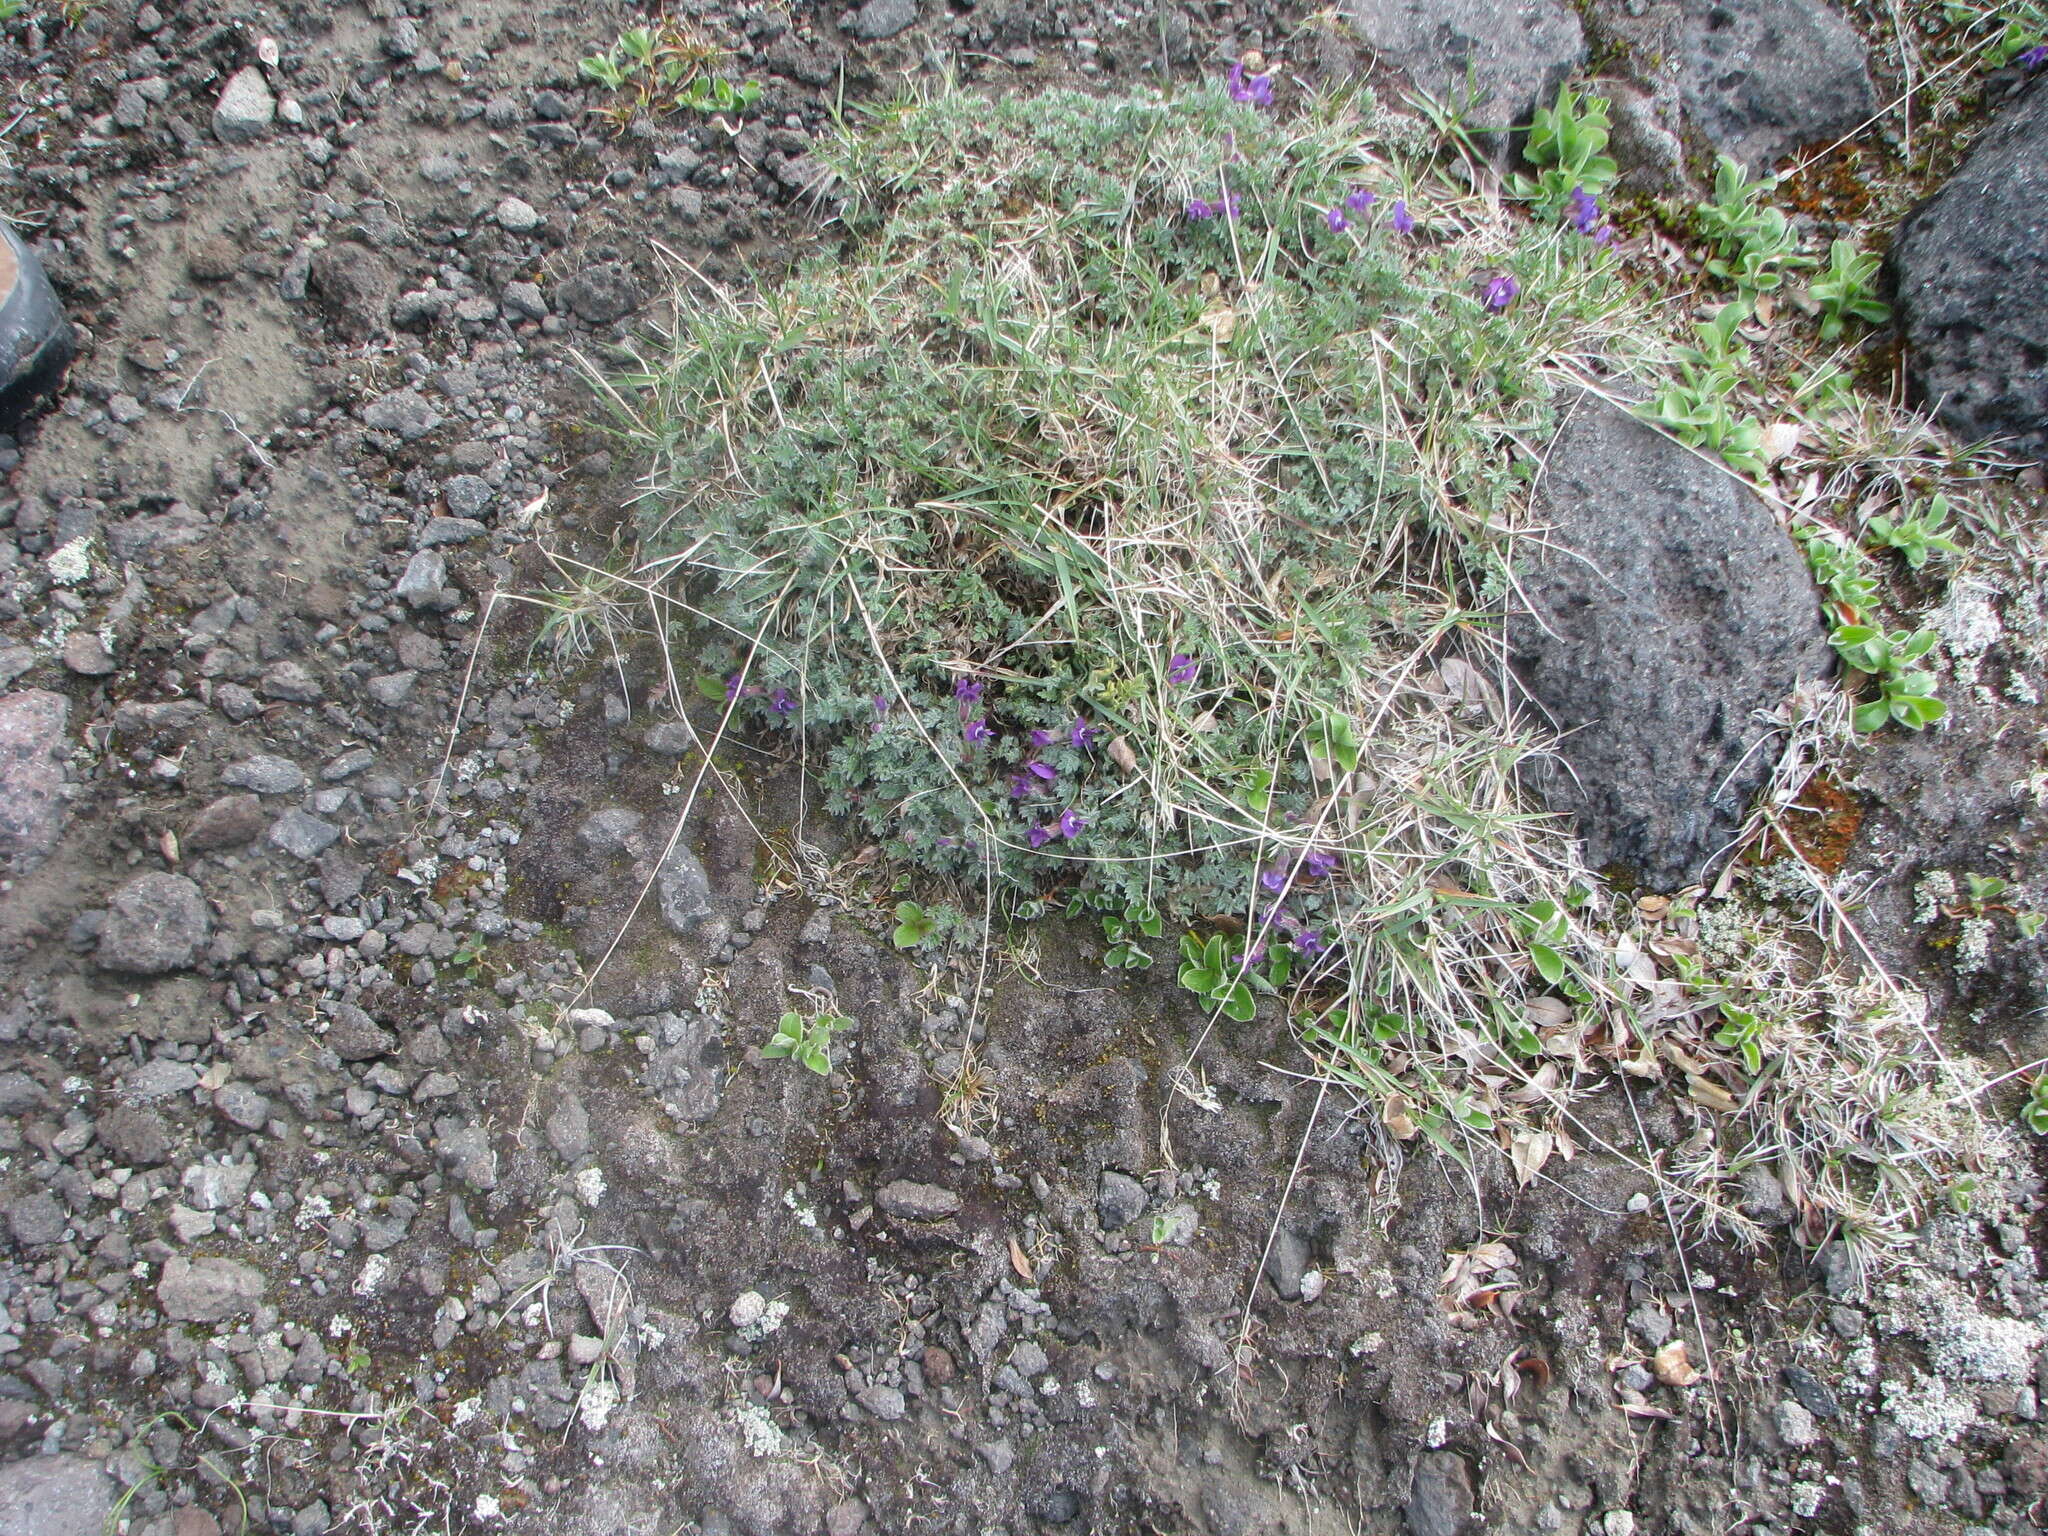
{"type": "Point", "coordinates": [882, 704]}
{"type": "Point", "coordinates": [1041, 739]}
{"type": "Point", "coordinates": [977, 731]}
{"type": "Point", "coordinates": [1038, 837]}
{"type": "Point", "coordinates": [1604, 235]}
{"type": "Point", "coordinates": [968, 689]}
{"type": "Point", "coordinates": [1020, 786]}
{"type": "Point", "coordinates": [1081, 735]}
{"type": "Point", "coordinates": [1252, 90]}
{"type": "Point", "coordinates": [1071, 824]}
{"type": "Point", "coordinates": [1358, 199]}
{"type": "Point", "coordinates": [1309, 942]}
{"type": "Point", "coordinates": [733, 686]}
{"type": "Point", "coordinates": [1181, 669]}
{"type": "Point", "coordinates": [1585, 211]}
{"type": "Point", "coordinates": [781, 702]}
{"type": "Point", "coordinates": [1256, 955]}
{"type": "Point", "coordinates": [1274, 880]}
{"type": "Point", "coordinates": [1319, 863]}
{"type": "Point", "coordinates": [1500, 293]}
{"type": "Point", "coordinates": [2034, 57]}
{"type": "Point", "coordinates": [1198, 210]}
{"type": "Point", "coordinates": [1336, 220]}
{"type": "Point", "coordinates": [1039, 770]}
{"type": "Point", "coordinates": [1399, 219]}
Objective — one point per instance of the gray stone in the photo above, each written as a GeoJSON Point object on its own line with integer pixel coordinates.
{"type": "Point", "coordinates": [1286, 1263]}
{"type": "Point", "coordinates": [136, 1137]}
{"type": "Point", "coordinates": [425, 578]}
{"type": "Point", "coordinates": [208, 1290]}
{"type": "Point", "coordinates": [227, 822]}
{"type": "Point", "coordinates": [245, 109]}
{"type": "Point", "coordinates": [1764, 77]}
{"type": "Point", "coordinates": [671, 738]}
{"type": "Point", "coordinates": [20, 1093]}
{"type": "Point", "coordinates": [33, 809]}
{"type": "Point", "coordinates": [266, 774]}
{"type": "Point", "coordinates": [86, 655]}
{"type": "Point", "coordinates": [1971, 264]}
{"type": "Point", "coordinates": [525, 299]}
{"type": "Point", "coordinates": [517, 215]}
{"type": "Point", "coordinates": [1119, 1200]}
{"type": "Point", "coordinates": [160, 1080]}
{"type": "Point", "coordinates": [883, 1402]}
{"type": "Point", "coordinates": [606, 831]}
{"type": "Point", "coordinates": [354, 1036]}
{"type": "Point", "coordinates": [131, 107]}
{"type": "Point", "coordinates": [218, 1186]}
{"type": "Point", "coordinates": [1513, 53]}
{"type": "Point", "coordinates": [884, 18]}
{"type": "Point", "coordinates": [569, 1129]}
{"type": "Point", "coordinates": [450, 530]}
{"type": "Point", "coordinates": [467, 1154]}
{"type": "Point", "coordinates": [155, 923]}
{"type": "Point", "coordinates": [354, 287]}
{"type": "Point", "coordinates": [301, 835]}
{"type": "Point", "coordinates": [392, 689]}
{"type": "Point", "coordinates": [1440, 1500]}
{"type": "Point", "coordinates": [683, 889]}
{"type": "Point", "coordinates": [600, 295]}
{"type": "Point", "coordinates": [404, 411]}
{"type": "Point", "coordinates": [243, 1106]}
{"type": "Point", "coordinates": [291, 682]}
{"type": "Point", "coordinates": [55, 1496]}
{"type": "Point", "coordinates": [37, 1220]}
{"type": "Point", "coordinates": [1666, 610]}
{"type": "Point", "coordinates": [909, 1201]}
{"type": "Point", "coordinates": [467, 495]}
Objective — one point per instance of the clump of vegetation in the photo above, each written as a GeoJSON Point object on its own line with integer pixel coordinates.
{"type": "Point", "coordinates": [808, 1038]}
{"type": "Point", "coordinates": [1754, 243]}
{"type": "Point", "coordinates": [1567, 145]}
{"type": "Point", "coordinates": [667, 67]}
{"type": "Point", "coordinates": [1108, 528]}
{"type": "Point", "coordinates": [1699, 406]}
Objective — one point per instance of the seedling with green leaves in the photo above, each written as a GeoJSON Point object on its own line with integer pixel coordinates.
{"type": "Point", "coordinates": [914, 925]}
{"type": "Point", "coordinates": [1568, 146]}
{"type": "Point", "coordinates": [666, 67]}
{"type": "Point", "coordinates": [1905, 695]}
{"type": "Point", "coordinates": [1697, 408]}
{"type": "Point", "coordinates": [2034, 1113]}
{"type": "Point", "coordinates": [1755, 245]}
{"type": "Point", "coordinates": [1847, 291]}
{"type": "Point", "coordinates": [1917, 535]}
{"type": "Point", "coordinates": [808, 1039]}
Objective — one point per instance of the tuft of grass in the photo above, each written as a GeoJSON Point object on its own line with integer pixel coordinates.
{"type": "Point", "coordinates": [1095, 555]}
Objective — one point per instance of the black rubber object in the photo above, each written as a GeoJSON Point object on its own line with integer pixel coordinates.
{"type": "Point", "coordinates": [36, 341]}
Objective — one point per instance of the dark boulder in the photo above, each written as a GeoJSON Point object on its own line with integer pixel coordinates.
{"type": "Point", "coordinates": [1971, 264]}
{"type": "Point", "coordinates": [1666, 611]}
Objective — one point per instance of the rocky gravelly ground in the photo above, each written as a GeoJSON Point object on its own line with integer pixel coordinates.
{"type": "Point", "coordinates": [337, 1195]}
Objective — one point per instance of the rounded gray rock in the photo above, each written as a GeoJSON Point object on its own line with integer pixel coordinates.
{"type": "Point", "coordinates": [1667, 610]}
{"type": "Point", "coordinates": [245, 109]}
{"type": "Point", "coordinates": [155, 923]}
{"type": "Point", "coordinates": [1763, 77]}
{"type": "Point", "coordinates": [208, 1290]}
